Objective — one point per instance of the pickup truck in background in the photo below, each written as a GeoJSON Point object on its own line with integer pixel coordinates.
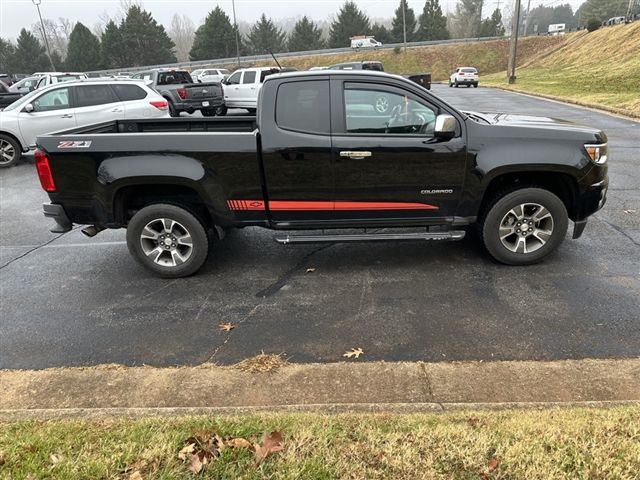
{"type": "Point", "coordinates": [183, 94]}
{"type": "Point", "coordinates": [319, 157]}
{"type": "Point", "coordinates": [243, 87]}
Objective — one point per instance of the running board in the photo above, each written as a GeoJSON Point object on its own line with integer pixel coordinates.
{"type": "Point", "coordinates": [371, 237]}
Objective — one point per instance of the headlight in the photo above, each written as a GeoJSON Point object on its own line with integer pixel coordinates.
{"type": "Point", "coordinates": [597, 153]}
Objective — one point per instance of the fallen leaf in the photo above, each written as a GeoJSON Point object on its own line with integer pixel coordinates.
{"type": "Point", "coordinates": [472, 421]}
{"type": "Point", "coordinates": [240, 443]}
{"type": "Point", "coordinates": [354, 352]}
{"type": "Point", "coordinates": [271, 443]}
{"type": "Point", "coordinates": [493, 463]}
{"type": "Point", "coordinates": [195, 463]}
{"type": "Point", "coordinates": [186, 450]}
{"type": "Point", "coordinates": [135, 476]}
{"type": "Point", "coordinates": [53, 458]}
{"type": "Point", "coordinates": [311, 269]}
{"type": "Point", "coordinates": [630, 211]}
{"type": "Point", "coordinates": [225, 327]}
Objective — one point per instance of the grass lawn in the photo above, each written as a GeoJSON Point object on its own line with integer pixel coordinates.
{"type": "Point", "coordinates": [530, 444]}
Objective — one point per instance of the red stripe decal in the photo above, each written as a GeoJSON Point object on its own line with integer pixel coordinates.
{"type": "Point", "coordinates": [328, 205]}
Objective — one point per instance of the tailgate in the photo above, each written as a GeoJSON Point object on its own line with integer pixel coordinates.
{"type": "Point", "coordinates": [203, 91]}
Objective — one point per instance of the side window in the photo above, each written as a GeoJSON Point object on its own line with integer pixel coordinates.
{"type": "Point", "coordinates": [89, 95]}
{"type": "Point", "coordinates": [249, 77]}
{"type": "Point", "coordinates": [382, 111]}
{"type": "Point", "coordinates": [127, 92]}
{"type": "Point", "coordinates": [234, 79]}
{"type": "Point", "coordinates": [52, 100]}
{"type": "Point", "coordinates": [304, 106]}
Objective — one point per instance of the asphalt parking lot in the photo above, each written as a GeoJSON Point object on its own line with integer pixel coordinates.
{"type": "Point", "coordinates": [69, 300]}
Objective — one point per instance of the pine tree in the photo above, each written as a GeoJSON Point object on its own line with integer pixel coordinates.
{"type": "Point", "coordinates": [215, 38]}
{"type": "Point", "coordinates": [349, 22]}
{"type": "Point", "coordinates": [397, 26]}
{"type": "Point", "coordinates": [30, 56]}
{"type": "Point", "coordinates": [7, 56]}
{"type": "Point", "coordinates": [433, 24]}
{"type": "Point", "coordinates": [265, 37]}
{"type": "Point", "coordinates": [492, 26]}
{"type": "Point", "coordinates": [83, 52]}
{"type": "Point", "coordinates": [305, 35]}
{"type": "Point", "coordinates": [381, 33]}
{"type": "Point", "coordinates": [144, 41]}
{"type": "Point", "coordinates": [112, 53]}
{"type": "Point", "coordinates": [602, 10]}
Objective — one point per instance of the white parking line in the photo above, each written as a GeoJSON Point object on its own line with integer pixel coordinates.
{"type": "Point", "coordinates": [64, 245]}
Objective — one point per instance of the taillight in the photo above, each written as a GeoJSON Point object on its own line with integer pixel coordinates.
{"type": "Point", "coordinates": [182, 93]}
{"type": "Point", "coordinates": [44, 171]}
{"type": "Point", "coordinates": [159, 104]}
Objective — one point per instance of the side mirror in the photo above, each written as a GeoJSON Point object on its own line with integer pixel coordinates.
{"type": "Point", "coordinates": [29, 108]}
{"type": "Point", "coordinates": [445, 126]}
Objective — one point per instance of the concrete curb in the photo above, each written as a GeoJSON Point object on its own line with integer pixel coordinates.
{"type": "Point", "coordinates": [332, 387]}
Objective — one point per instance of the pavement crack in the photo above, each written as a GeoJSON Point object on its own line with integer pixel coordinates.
{"type": "Point", "coordinates": [428, 386]}
{"type": "Point", "coordinates": [38, 247]}
{"type": "Point", "coordinates": [619, 230]}
{"type": "Point", "coordinates": [284, 278]}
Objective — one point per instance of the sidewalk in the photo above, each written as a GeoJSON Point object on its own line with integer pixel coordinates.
{"type": "Point", "coordinates": [115, 390]}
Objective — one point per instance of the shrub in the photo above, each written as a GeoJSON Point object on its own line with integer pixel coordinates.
{"type": "Point", "coordinates": [397, 50]}
{"type": "Point", "coordinates": [593, 24]}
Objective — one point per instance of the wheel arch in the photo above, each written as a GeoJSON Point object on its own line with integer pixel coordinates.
{"type": "Point", "coordinates": [14, 137]}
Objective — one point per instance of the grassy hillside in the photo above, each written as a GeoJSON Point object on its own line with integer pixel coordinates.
{"type": "Point", "coordinates": [440, 60]}
{"type": "Point", "coordinates": [598, 68]}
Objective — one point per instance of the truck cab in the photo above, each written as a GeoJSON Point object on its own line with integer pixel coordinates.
{"type": "Point", "coordinates": [243, 86]}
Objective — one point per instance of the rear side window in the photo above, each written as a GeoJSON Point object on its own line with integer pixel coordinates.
{"type": "Point", "coordinates": [303, 106]}
{"type": "Point", "coordinates": [249, 77]}
{"type": "Point", "coordinates": [265, 73]}
{"type": "Point", "coordinates": [129, 92]}
{"type": "Point", "coordinates": [373, 66]}
{"type": "Point", "coordinates": [88, 95]}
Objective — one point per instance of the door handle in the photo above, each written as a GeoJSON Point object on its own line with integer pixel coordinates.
{"type": "Point", "coordinates": [355, 155]}
{"type": "Point", "coordinates": [117, 110]}
{"type": "Point", "coordinates": [67, 115]}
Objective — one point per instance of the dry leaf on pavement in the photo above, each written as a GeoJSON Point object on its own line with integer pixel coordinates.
{"type": "Point", "coordinates": [311, 269]}
{"type": "Point", "coordinates": [225, 326]}
{"type": "Point", "coordinates": [271, 443]}
{"type": "Point", "coordinates": [354, 352]}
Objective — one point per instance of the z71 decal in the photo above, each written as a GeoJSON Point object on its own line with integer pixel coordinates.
{"type": "Point", "coordinates": [75, 144]}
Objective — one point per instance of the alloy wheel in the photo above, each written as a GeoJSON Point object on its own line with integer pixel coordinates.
{"type": "Point", "coordinates": [526, 228]}
{"type": "Point", "coordinates": [166, 242]}
{"type": "Point", "coordinates": [7, 152]}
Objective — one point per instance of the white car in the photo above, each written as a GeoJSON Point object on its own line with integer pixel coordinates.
{"type": "Point", "coordinates": [242, 87]}
{"type": "Point", "coordinates": [67, 105]}
{"type": "Point", "coordinates": [362, 41]}
{"type": "Point", "coordinates": [464, 76]}
{"type": "Point", "coordinates": [25, 85]}
{"type": "Point", "coordinates": [59, 77]}
{"type": "Point", "coordinates": [209, 75]}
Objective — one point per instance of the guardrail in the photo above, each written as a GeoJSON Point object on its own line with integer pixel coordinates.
{"type": "Point", "coordinates": [250, 59]}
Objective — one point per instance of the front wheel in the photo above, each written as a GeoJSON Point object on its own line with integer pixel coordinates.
{"type": "Point", "coordinates": [475, 85]}
{"type": "Point", "coordinates": [168, 240]}
{"type": "Point", "coordinates": [524, 226]}
{"type": "Point", "coordinates": [172, 110]}
{"type": "Point", "coordinates": [10, 151]}
{"type": "Point", "coordinates": [208, 112]}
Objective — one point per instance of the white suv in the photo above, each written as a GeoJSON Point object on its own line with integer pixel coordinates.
{"type": "Point", "coordinates": [63, 106]}
{"type": "Point", "coordinates": [209, 75]}
{"type": "Point", "coordinates": [464, 76]}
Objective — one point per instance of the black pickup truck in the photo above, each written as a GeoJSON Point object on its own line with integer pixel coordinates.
{"type": "Point", "coordinates": [318, 157]}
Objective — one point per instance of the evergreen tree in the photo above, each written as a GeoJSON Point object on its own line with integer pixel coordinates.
{"type": "Point", "coordinates": [215, 38]}
{"type": "Point", "coordinates": [466, 19]}
{"type": "Point", "coordinates": [349, 22]}
{"type": "Point", "coordinates": [144, 41]}
{"type": "Point", "coordinates": [603, 10]}
{"type": "Point", "coordinates": [433, 24]}
{"type": "Point", "coordinates": [397, 26]}
{"type": "Point", "coordinates": [382, 33]}
{"type": "Point", "coordinates": [265, 37]}
{"type": "Point", "coordinates": [30, 56]}
{"type": "Point", "coordinates": [305, 35]}
{"type": "Point", "coordinates": [492, 27]}
{"type": "Point", "coordinates": [112, 53]}
{"type": "Point", "coordinates": [7, 56]}
{"type": "Point", "coordinates": [83, 52]}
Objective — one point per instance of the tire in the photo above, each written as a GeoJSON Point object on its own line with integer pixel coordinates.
{"type": "Point", "coordinates": [172, 110]}
{"type": "Point", "coordinates": [208, 112]}
{"type": "Point", "coordinates": [475, 85]}
{"type": "Point", "coordinates": [221, 111]}
{"type": "Point", "coordinates": [450, 84]}
{"type": "Point", "coordinates": [382, 104]}
{"type": "Point", "coordinates": [456, 84]}
{"type": "Point", "coordinates": [172, 260]}
{"type": "Point", "coordinates": [501, 217]}
{"type": "Point", "coordinates": [10, 151]}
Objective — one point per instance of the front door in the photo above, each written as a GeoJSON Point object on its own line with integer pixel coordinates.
{"type": "Point", "coordinates": [389, 166]}
{"type": "Point", "coordinates": [247, 89]}
{"type": "Point", "coordinates": [232, 89]}
{"type": "Point", "coordinates": [52, 112]}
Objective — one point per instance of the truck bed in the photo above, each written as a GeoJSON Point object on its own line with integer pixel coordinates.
{"type": "Point", "coordinates": [230, 124]}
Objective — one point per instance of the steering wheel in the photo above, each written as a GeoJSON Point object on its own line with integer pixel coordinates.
{"type": "Point", "coordinates": [415, 122]}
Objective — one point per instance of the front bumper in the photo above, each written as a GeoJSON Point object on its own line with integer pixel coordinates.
{"type": "Point", "coordinates": [55, 211]}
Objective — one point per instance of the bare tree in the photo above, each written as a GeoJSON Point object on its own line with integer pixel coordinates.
{"type": "Point", "coordinates": [57, 33]}
{"type": "Point", "coordinates": [117, 16]}
{"type": "Point", "coordinates": [182, 32]}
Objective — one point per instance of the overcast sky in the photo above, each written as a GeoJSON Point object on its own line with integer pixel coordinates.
{"type": "Point", "coordinates": [15, 14]}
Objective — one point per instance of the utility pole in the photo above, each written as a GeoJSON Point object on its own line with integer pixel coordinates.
{"type": "Point", "coordinates": [480, 18]}
{"type": "Point", "coordinates": [404, 25]}
{"type": "Point", "coordinates": [44, 34]}
{"type": "Point", "coordinates": [526, 19]}
{"type": "Point", "coordinates": [511, 70]}
{"type": "Point", "coordinates": [235, 26]}
{"type": "Point", "coordinates": [630, 10]}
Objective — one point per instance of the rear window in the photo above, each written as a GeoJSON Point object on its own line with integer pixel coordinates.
{"type": "Point", "coordinates": [88, 95]}
{"type": "Point", "coordinates": [303, 106]}
{"type": "Point", "coordinates": [67, 78]}
{"type": "Point", "coordinates": [129, 92]}
{"type": "Point", "coordinates": [373, 66]}
{"type": "Point", "coordinates": [468, 70]}
{"type": "Point", "coordinates": [171, 78]}
{"type": "Point", "coordinates": [265, 73]}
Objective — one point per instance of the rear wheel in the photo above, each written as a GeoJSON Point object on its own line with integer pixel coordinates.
{"type": "Point", "coordinates": [168, 240]}
{"type": "Point", "coordinates": [456, 84]}
{"type": "Point", "coordinates": [172, 110]}
{"type": "Point", "coordinates": [208, 112]}
{"type": "Point", "coordinates": [475, 85]}
{"type": "Point", "coordinates": [221, 110]}
{"type": "Point", "coordinates": [524, 226]}
{"type": "Point", "coordinates": [10, 151]}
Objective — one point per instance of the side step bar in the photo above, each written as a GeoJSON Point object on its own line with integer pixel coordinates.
{"type": "Point", "coordinates": [371, 237]}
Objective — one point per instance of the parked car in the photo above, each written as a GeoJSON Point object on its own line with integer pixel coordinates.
{"type": "Point", "coordinates": [183, 94]}
{"type": "Point", "coordinates": [210, 75]}
{"type": "Point", "coordinates": [6, 79]}
{"type": "Point", "coordinates": [243, 87]}
{"type": "Point", "coordinates": [73, 104]}
{"type": "Point", "coordinates": [314, 160]}
{"type": "Point", "coordinates": [7, 97]}
{"type": "Point", "coordinates": [364, 65]}
{"type": "Point", "coordinates": [16, 77]}
{"type": "Point", "coordinates": [25, 85]}
{"type": "Point", "coordinates": [362, 41]}
{"type": "Point", "coordinates": [58, 77]}
{"type": "Point", "coordinates": [464, 76]}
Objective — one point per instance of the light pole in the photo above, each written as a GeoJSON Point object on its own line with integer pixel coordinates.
{"type": "Point", "coordinates": [235, 25]}
{"type": "Point", "coordinates": [404, 25]}
{"type": "Point", "coordinates": [511, 71]}
{"type": "Point", "coordinates": [44, 33]}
